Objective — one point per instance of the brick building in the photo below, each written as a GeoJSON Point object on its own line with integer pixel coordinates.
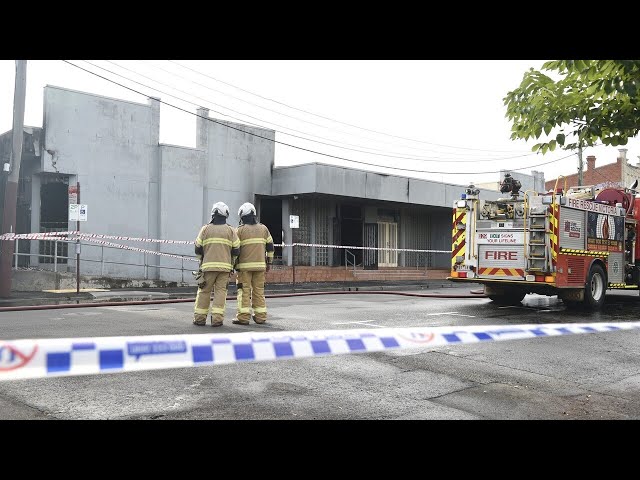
{"type": "Point", "coordinates": [618, 174]}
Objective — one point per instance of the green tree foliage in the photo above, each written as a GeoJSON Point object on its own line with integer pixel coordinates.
{"type": "Point", "coordinates": [594, 100]}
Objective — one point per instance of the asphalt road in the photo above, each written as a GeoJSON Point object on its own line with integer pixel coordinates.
{"type": "Point", "coordinates": [592, 376]}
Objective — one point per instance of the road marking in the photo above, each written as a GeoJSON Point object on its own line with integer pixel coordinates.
{"type": "Point", "coordinates": [81, 314]}
{"type": "Point", "coordinates": [180, 398]}
{"type": "Point", "coordinates": [366, 323]}
{"type": "Point", "coordinates": [74, 290]}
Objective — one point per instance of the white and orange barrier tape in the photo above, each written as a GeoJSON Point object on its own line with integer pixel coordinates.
{"type": "Point", "coordinates": [141, 250]}
{"type": "Point", "coordinates": [37, 235]}
{"type": "Point", "coordinates": [352, 247]}
{"type": "Point", "coordinates": [95, 236]}
{"type": "Point", "coordinates": [22, 359]}
{"type": "Point", "coordinates": [83, 235]}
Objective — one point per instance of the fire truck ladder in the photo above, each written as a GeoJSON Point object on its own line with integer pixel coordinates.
{"type": "Point", "coordinates": [535, 235]}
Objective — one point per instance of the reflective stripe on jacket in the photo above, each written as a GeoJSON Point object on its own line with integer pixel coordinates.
{"type": "Point", "coordinates": [217, 246]}
{"type": "Point", "coordinates": [256, 247]}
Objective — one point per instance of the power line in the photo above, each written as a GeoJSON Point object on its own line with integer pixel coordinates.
{"type": "Point", "coordinates": [333, 120]}
{"type": "Point", "coordinates": [594, 170]}
{"type": "Point", "coordinates": [293, 117]}
{"type": "Point", "coordinates": [424, 159]}
{"type": "Point", "coordinates": [306, 149]}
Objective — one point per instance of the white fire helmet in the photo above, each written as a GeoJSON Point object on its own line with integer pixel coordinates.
{"type": "Point", "coordinates": [220, 208]}
{"type": "Point", "coordinates": [246, 209]}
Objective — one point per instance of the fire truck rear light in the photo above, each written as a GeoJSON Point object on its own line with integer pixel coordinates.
{"type": "Point", "coordinates": [546, 200]}
{"type": "Point", "coordinates": [549, 279]}
{"type": "Point", "coordinates": [461, 204]}
{"type": "Point", "coordinates": [470, 274]}
{"type": "Point", "coordinates": [462, 274]}
{"type": "Point", "coordinates": [459, 258]}
{"type": "Point", "coordinates": [530, 278]}
{"type": "Point", "coordinates": [539, 278]}
{"type": "Point", "coordinates": [461, 226]}
{"type": "Point", "coordinates": [454, 274]}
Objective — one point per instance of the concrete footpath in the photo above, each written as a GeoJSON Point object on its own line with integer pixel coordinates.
{"type": "Point", "coordinates": [435, 287]}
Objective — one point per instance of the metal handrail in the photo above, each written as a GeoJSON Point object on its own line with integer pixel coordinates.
{"type": "Point", "coordinates": [346, 259]}
{"type": "Point", "coordinates": [57, 257]}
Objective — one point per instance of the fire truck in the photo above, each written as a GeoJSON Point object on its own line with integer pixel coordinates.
{"type": "Point", "coordinates": [575, 243]}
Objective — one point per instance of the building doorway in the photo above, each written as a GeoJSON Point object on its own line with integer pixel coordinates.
{"type": "Point", "coordinates": [370, 240]}
{"type": "Point", "coordinates": [351, 230]}
{"type": "Point", "coordinates": [271, 216]}
{"type": "Point", "coordinates": [387, 238]}
{"type": "Point", "coordinates": [54, 215]}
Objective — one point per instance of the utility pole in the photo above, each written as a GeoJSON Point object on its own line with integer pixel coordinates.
{"type": "Point", "coordinates": [580, 166]}
{"type": "Point", "coordinates": [11, 191]}
{"type": "Point", "coordinates": [78, 247]}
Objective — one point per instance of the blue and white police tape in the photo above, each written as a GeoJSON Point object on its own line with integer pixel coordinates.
{"type": "Point", "coordinates": [21, 359]}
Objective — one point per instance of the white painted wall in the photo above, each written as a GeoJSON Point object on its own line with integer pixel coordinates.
{"type": "Point", "coordinates": [108, 144]}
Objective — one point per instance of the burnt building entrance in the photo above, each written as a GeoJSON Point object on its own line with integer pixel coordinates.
{"type": "Point", "coordinates": [54, 214]}
{"type": "Point", "coordinates": [351, 231]}
{"type": "Point", "coordinates": [271, 216]}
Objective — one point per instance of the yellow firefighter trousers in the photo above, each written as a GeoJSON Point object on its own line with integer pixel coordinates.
{"type": "Point", "coordinates": [251, 294]}
{"type": "Point", "coordinates": [216, 282]}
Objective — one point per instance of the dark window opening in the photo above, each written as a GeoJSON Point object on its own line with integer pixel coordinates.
{"type": "Point", "coordinates": [351, 232]}
{"type": "Point", "coordinates": [370, 240]}
{"type": "Point", "coordinates": [54, 214]}
{"type": "Point", "coordinates": [271, 216]}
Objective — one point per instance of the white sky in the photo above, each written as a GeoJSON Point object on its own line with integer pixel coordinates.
{"type": "Point", "coordinates": [456, 104]}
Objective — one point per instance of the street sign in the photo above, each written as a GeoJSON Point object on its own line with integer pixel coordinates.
{"type": "Point", "coordinates": [294, 221]}
{"type": "Point", "coordinates": [73, 194]}
{"type": "Point", "coordinates": [74, 212]}
{"type": "Point", "coordinates": [77, 212]}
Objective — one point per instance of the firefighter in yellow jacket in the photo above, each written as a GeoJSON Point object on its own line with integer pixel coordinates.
{"type": "Point", "coordinates": [255, 258]}
{"type": "Point", "coordinates": [217, 247]}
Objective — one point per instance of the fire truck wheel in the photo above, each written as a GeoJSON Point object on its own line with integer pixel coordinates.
{"type": "Point", "coordinates": [595, 288]}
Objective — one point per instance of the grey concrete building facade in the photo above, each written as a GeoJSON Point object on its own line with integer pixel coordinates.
{"type": "Point", "coordinates": [135, 186]}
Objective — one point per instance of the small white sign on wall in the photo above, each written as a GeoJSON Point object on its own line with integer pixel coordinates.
{"type": "Point", "coordinates": [294, 221]}
{"type": "Point", "coordinates": [77, 212]}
